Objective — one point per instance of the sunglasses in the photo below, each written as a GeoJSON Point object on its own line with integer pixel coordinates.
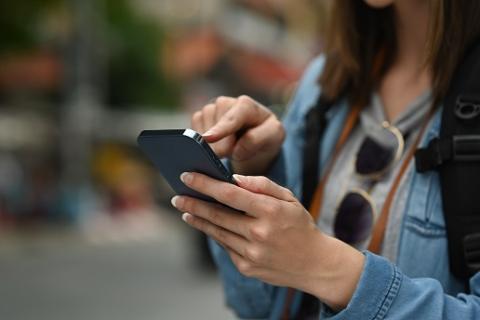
{"type": "Point", "coordinates": [377, 154]}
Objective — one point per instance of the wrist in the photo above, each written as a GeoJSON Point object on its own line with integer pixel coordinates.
{"type": "Point", "coordinates": [334, 272]}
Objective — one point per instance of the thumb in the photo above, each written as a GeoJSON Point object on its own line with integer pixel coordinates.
{"type": "Point", "coordinates": [263, 185]}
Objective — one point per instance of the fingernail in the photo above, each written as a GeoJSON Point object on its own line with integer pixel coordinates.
{"type": "Point", "coordinates": [186, 216]}
{"type": "Point", "coordinates": [186, 177]}
{"type": "Point", "coordinates": [208, 133]}
{"type": "Point", "coordinates": [238, 178]}
{"type": "Point", "coordinates": [174, 201]}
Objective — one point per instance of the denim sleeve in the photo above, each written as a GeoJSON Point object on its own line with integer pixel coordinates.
{"type": "Point", "coordinates": [250, 297]}
{"type": "Point", "coordinates": [384, 292]}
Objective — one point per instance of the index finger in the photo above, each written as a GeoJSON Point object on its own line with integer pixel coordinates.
{"type": "Point", "coordinates": [244, 113]}
{"type": "Point", "coordinates": [224, 192]}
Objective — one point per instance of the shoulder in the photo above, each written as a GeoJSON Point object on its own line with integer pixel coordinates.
{"type": "Point", "coordinates": [310, 78]}
{"type": "Point", "coordinates": [313, 70]}
{"type": "Point", "coordinates": [308, 89]}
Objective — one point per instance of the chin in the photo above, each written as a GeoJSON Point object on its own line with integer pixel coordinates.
{"type": "Point", "coordinates": [379, 3]}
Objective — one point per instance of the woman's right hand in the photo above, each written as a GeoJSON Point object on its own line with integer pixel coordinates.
{"type": "Point", "coordinates": [243, 130]}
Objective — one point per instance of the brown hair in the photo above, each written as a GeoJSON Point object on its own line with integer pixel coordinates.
{"type": "Point", "coordinates": [357, 34]}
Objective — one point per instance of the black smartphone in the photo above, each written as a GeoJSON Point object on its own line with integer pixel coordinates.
{"type": "Point", "coordinates": [183, 150]}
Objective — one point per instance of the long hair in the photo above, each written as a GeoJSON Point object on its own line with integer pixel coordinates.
{"type": "Point", "coordinates": [357, 34]}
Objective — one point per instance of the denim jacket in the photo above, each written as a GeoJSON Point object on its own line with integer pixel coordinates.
{"type": "Point", "coordinates": [418, 286]}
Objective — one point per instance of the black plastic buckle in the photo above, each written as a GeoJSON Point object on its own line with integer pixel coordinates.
{"type": "Point", "coordinates": [466, 148]}
{"type": "Point", "coordinates": [428, 158]}
{"type": "Point", "coordinates": [471, 245]}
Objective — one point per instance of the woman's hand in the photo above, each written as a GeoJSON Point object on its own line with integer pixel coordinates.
{"type": "Point", "coordinates": [242, 130]}
{"type": "Point", "coordinates": [270, 236]}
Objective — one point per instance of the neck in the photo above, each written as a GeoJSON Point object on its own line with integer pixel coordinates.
{"type": "Point", "coordinates": [411, 20]}
{"type": "Point", "coordinates": [408, 75]}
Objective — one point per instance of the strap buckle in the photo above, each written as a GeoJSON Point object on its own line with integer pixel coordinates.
{"type": "Point", "coordinates": [466, 148]}
{"type": "Point", "coordinates": [430, 157]}
{"type": "Point", "coordinates": [461, 148]}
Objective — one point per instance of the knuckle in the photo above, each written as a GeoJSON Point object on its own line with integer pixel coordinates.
{"type": "Point", "coordinates": [259, 233]}
{"type": "Point", "coordinates": [245, 268]}
{"type": "Point", "coordinates": [196, 118]}
{"type": "Point", "coordinates": [271, 208]}
{"type": "Point", "coordinates": [245, 99]}
{"type": "Point", "coordinates": [209, 108]}
{"type": "Point", "coordinates": [197, 115]}
{"type": "Point", "coordinates": [253, 254]}
{"type": "Point", "coordinates": [219, 99]}
{"type": "Point", "coordinates": [248, 102]}
{"type": "Point", "coordinates": [278, 126]}
{"type": "Point", "coordinates": [222, 100]}
{"type": "Point", "coordinates": [250, 139]}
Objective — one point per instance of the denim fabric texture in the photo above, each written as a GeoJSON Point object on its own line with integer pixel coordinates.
{"type": "Point", "coordinates": [418, 286]}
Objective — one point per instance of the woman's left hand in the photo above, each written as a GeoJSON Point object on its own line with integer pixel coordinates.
{"type": "Point", "coordinates": [267, 233]}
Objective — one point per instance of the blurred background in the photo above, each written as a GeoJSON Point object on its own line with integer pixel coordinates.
{"type": "Point", "coordinates": [86, 227]}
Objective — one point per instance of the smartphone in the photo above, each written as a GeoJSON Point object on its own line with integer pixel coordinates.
{"type": "Point", "coordinates": [183, 150]}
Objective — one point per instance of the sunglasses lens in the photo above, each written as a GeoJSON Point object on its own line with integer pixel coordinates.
{"type": "Point", "coordinates": [373, 157]}
{"type": "Point", "coordinates": [354, 219]}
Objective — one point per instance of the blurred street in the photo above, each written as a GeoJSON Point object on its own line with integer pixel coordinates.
{"type": "Point", "coordinates": [86, 229]}
{"type": "Point", "coordinates": [65, 275]}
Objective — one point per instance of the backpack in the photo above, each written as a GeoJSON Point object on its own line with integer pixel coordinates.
{"type": "Point", "coordinates": [455, 154]}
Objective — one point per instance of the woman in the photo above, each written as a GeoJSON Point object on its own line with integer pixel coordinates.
{"type": "Point", "coordinates": [386, 68]}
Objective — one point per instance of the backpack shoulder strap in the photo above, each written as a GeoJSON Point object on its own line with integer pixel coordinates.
{"type": "Point", "coordinates": [456, 156]}
{"type": "Point", "coordinates": [315, 122]}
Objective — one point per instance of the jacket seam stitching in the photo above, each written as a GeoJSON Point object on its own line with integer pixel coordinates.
{"type": "Point", "coordinates": [390, 296]}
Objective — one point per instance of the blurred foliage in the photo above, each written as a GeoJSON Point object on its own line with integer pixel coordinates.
{"type": "Point", "coordinates": [18, 23]}
{"type": "Point", "coordinates": [134, 44]}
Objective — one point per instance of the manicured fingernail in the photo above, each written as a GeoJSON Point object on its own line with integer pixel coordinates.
{"type": "Point", "coordinates": [186, 177]}
{"type": "Point", "coordinates": [207, 133]}
{"type": "Point", "coordinates": [174, 201]}
{"type": "Point", "coordinates": [238, 178]}
{"type": "Point", "coordinates": [186, 216]}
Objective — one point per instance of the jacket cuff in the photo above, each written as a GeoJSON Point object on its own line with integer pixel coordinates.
{"type": "Point", "coordinates": [377, 289]}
